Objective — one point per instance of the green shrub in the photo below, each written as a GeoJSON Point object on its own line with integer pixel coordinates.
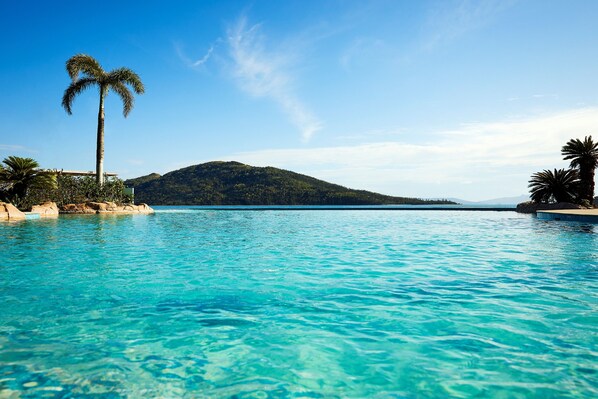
{"type": "Point", "coordinates": [79, 189]}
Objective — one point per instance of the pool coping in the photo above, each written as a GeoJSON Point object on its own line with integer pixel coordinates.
{"type": "Point", "coordinates": [570, 215]}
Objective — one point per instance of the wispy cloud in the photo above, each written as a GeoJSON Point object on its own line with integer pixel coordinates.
{"type": "Point", "coordinates": [194, 63]}
{"type": "Point", "coordinates": [135, 162]}
{"type": "Point", "coordinates": [9, 147]}
{"type": "Point", "coordinates": [550, 96]}
{"type": "Point", "coordinates": [452, 19]}
{"type": "Point", "coordinates": [534, 97]}
{"type": "Point", "coordinates": [478, 160]}
{"type": "Point", "coordinates": [364, 48]}
{"type": "Point", "coordinates": [205, 58]}
{"type": "Point", "coordinates": [17, 148]}
{"type": "Point", "coordinates": [266, 73]}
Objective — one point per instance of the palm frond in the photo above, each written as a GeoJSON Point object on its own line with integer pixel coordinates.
{"type": "Point", "coordinates": [86, 64]}
{"type": "Point", "coordinates": [44, 181]}
{"type": "Point", "coordinates": [73, 90]}
{"type": "Point", "coordinates": [18, 165]}
{"type": "Point", "coordinates": [581, 153]}
{"type": "Point", "coordinates": [126, 76]}
{"type": "Point", "coordinates": [558, 186]}
{"type": "Point", "coordinates": [125, 95]}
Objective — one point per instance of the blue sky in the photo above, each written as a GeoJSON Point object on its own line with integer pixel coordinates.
{"type": "Point", "coordinates": [446, 98]}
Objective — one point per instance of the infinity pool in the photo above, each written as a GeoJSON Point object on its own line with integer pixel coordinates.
{"type": "Point", "coordinates": [312, 304]}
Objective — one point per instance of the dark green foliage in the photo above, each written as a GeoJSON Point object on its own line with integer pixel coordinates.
{"type": "Point", "coordinates": [93, 74]}
{"type": "Point", "coordinates": [558, 186]}
{"type": "Point", "coordinates": [140, 180]}
{"type": "Point", "coordinates": [584, 157]}
{"type": "Point", "coordinates": [20, 176]}
{"type": "Point", "coordinates": [76, 190]}
{"type": "Point", "coordinates": [233, 183]}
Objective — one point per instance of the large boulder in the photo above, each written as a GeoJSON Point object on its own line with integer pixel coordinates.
{"type": "Point", "coordinates": [78, 209]}
{"type": "Point", "coordinates": [126, 209]}
{"type": "Point", "coordinates": [46, 210]}
{"type": "Point", "coordinates": [533, 207]}
{"type": "Point", "coordinates": [10, 212]}
{"type": "Point", "coordinates": [92, 208]}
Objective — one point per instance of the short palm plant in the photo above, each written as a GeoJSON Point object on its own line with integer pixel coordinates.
{"type": "Point", "coordinates": [558, 186]}
{"type": "Point", "coordinates": [583, 156]}
{"type": "Point", "coordinates": [118, 80]}
{"type": "Point", "coordinates": [19, 175]}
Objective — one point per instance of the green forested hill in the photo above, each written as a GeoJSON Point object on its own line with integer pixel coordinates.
{"type": "Point", "coordinates": [143, 179]}
{"type": "Point", "coordinates": [233, 183]}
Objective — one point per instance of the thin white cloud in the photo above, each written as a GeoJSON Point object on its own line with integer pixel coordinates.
{"type": "Point", "coordinates": [205, 58]}
{"type": "Point", "coordinates": [198, 62]}
{"type": "Point", "coordinates": [552, 96]}
{"type": "Point", "coordinates": [476, 161]}
{"type": "Point", "coordinates": [364, 48]}
{"type": "Point", "coordinates": [135, 162]}
{"type": "Point", "coordinates": [265, 73]}
{"type": "Point", "coordinates": [452, 19]}
{"type": "Point", "coordinates": [17, 148]}
{"type": "Point", "coordinates": [9, 147]}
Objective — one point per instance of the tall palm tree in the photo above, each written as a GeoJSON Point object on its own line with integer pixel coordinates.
{"type": "Point", "coordinates": [558, 186]}
{"type": "Point", "coordinates": [19, 176]}
{"type": "Point", "coordinates": [116, 80]}
{"type": "Point", "coordinates": [584, 156]}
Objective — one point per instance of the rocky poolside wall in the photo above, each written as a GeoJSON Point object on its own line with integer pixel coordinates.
{"type": "Point", "coordinates": [106, 208]}
{"type": "Point", "coordinates": [50, 209]}
{"type": "Point", "coordinates": [10, 212]}
{"type": "Point", "coordinates": [532, 207]}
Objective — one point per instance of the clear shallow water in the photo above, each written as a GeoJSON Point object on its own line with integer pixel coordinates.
{"type": "Point", "coordinates": [311, 304]}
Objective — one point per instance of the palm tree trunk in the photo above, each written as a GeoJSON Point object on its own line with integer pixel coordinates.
{"type": "Point", "coordinates": [592, 188]}
{"type": "Point", "coordinates": [100, 144]}
{"type": "Point", "coordinates": [586, 175]}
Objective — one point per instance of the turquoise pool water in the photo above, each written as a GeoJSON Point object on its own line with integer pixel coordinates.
{"type": "Point", "coordinates": [310, 304]}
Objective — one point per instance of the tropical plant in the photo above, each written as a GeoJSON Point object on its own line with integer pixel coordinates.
{"type": "Point", "coordinates": [583, 156]}
{"type": "Point", "coordinates": [93, 74]}
{"type": "Point", "coordinates": [558, 186]}
{"type": "Point", "coordinates": [19, 176]}
{"type": "Point", "coordinates": [80, 189]}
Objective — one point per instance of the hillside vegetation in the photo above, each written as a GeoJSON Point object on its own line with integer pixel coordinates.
{"type": "Point", "coordinates": [233, 183]}
{"type": "Point", "coordinates": [143, 179]}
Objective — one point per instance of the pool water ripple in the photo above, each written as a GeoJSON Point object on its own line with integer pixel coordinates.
{"type": "Point", "coordinates": [311, 304]}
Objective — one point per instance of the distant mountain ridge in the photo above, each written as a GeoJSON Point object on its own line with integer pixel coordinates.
{"type": "Point", "coordinates": [495, 201]}
{"type": "Point", "coordinates": [234, 183]}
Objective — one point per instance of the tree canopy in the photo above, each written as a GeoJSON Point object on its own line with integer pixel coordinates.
{"type": "Point", "coordinates": [85, 72]}
{"type": "Point", "coordinates": [19, 175]}
{"type": "Point", "coordinates": [583, 155]}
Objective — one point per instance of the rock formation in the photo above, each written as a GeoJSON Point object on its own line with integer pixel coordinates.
{"type": "Point", "coordinates": [10, 212]}
{"type": "Point", "coordinates": [533, 207]}
{"type": "Point", "coordinates": [46, 210]}
{"type": "Point", "coordinates": [50, 209]}
{"type": "Point", "coordinates": [92, 208]}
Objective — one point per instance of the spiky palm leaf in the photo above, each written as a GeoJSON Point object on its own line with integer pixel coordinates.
{"type": "Point", "coordinates": [93, 74]}
{"type": "Point", "coordinates": [20, 175]}
{"type": "Point", "coordinates": [4, 185]}
{"type": "Point", "coordinates": [120, 80]}
{"type": "Point", "coordinates": [583, 156]}
{"type": "Point", "coordinates": [558, 186]}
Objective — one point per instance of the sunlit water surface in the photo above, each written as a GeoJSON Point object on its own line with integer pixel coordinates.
{"type": "Point", "coordinates": [309, 304]}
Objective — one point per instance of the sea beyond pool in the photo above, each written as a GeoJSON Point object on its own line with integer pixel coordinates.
{"type": "Point", "coordinates": [203, 303]}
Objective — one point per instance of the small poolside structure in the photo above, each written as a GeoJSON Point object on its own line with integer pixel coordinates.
{"type": "Point", "coordinates": [74, 172]}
